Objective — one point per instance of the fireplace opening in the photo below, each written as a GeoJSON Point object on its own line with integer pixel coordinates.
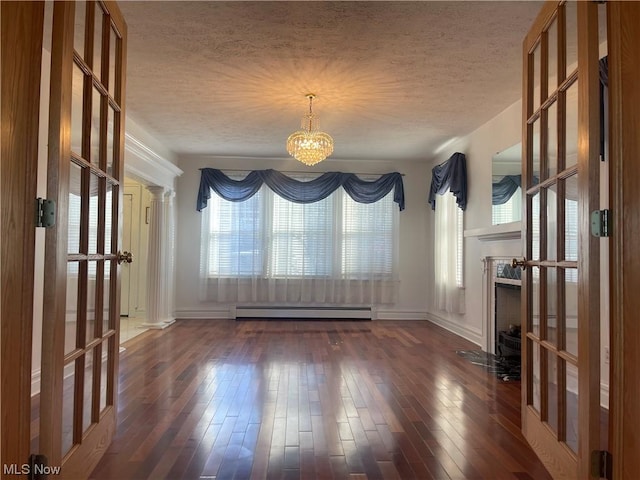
{"type": "Point", "coordinates": [507, 339]}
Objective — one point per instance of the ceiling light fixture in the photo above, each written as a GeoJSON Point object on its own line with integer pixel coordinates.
{"type": "Point", "coordinates": [309, 145]}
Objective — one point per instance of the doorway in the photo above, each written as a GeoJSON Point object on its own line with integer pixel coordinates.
{"type": "Point", "coordinates": [135, 239]}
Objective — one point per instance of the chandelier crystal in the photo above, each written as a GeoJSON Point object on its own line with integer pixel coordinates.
{"type": "Point", "coordinates": [309, 145]}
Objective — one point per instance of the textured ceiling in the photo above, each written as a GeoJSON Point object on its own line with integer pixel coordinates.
{"type": "Point", "coordinates": [393, 80]}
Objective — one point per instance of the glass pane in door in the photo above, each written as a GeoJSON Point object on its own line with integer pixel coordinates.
{"type": "Point", "coordinates": [572, 426]}
{"type": "Point", "coordinates": [571, 125]}
{"type": "Point", "coordinates": [552, 222]}
{"type": "Point", "coordinates": [108, 218]}
{"type": "Point", "coordinates": [110, 140]}
{"type": "Point", "coordinates": [552, 391]}
{"type": "Point", "coordinates": [535, 301]}
{"type": "Point", "coordinates": [537, 76]}
{"type": "Point", "coordinates": [97, 40]}
{"type": "Point", "coordinates": [96, 107]}
{"type": "Point", "coordinates": [535, 375]}
{"type": "Point", "coordinates": [552, 305]}
{"type": "Point", "coordinates": [571, 17]}
{"type": "Point", "coordinates": [91, 300]}
{"type": "Point", "coordinates": [552, 139]}
{"type": "Point", "coordinates": [535, 163]}
{"type": "Point", "coordinates": [552, 49]}
{"type": "Point", "coordinates": [68, 403]}
{"type": "Point", "coordinates": [77, 100]}
{"type": "Point", "coordinates": [571, 310]}
{"type": "Point", "coordinates": [88, 389]}
{"type": "Point", "coordinates": [103, 381]}
{"type": "Point", "coordinates": [535, 227]}
{"type": "Point", "coordinates": [93, 213]}
{"type": "Point", "coordinates": [106, 306]}
{"type": "Point", "coordinates": [79, 29]}
{"type": "Point", "coordinates": [113, 45]}
{"type": "Point", "coordinates": [75, 208]}
{"type": "Point", "coordinates": [71, 310]}
{"type": "Point", "coordinates": [571, 219]}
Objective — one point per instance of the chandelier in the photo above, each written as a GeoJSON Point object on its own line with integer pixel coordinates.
{"type": "Point", "coordinates": [308, 145]}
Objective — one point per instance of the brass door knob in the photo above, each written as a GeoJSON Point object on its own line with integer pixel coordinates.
{"type": "Point", "coordinates": [522, 263]}
{"type": "Point", "coordinates": [124, 257]}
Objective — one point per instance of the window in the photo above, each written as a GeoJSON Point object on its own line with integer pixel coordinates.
{"type": "Point", "coordinates": [267, 236]}
{"type": "Point", "coordinates": [301, 238]}
{"type": "Point", "coordinates": [448, 255]}
{"type": "Point", "coordinates": [235, 237]}
{"type": "Point", "coordinates": [367, 237]}
{"type": "Point", "coordinates": [509, 210]}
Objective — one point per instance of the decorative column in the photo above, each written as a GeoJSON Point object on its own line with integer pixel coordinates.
{"type": "Point", "coordinates": [157, 293]}
{"type": "Point", "coordinates": [169, 257]}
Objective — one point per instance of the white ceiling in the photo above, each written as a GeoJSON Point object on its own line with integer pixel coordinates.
{"type": "Point", "coordinates": [394, 80]}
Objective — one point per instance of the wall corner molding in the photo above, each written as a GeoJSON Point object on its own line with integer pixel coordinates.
{"type": "Point", "coordinates": [143, 162]}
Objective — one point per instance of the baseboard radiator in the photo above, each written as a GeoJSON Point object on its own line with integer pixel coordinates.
{"type": "Point", "coordinates": [359, 313]}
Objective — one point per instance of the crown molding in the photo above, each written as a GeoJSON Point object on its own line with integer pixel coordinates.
{"type": "Point", "coordinates": [145, 163]}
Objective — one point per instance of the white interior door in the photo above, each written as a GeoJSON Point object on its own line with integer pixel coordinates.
{"type": "Point", "coordinates": [125, 274]}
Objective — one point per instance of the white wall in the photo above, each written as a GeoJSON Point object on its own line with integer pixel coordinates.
{"type": "Point", "coordinates": [412, 303]}
{"type": "Point", "coordinates": [479, 147]}
{"type": "Point", "coordinates": [497, 134]}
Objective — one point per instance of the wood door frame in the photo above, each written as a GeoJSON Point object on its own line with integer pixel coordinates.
{"type": "Point", "coordinates": [59, 147]}
{"type": "Point", "coordinates": [22, 24]}
{"type": "Point", "coordinates": [624, 144]}
{"type": "Point", "coordinates": [589, 255]}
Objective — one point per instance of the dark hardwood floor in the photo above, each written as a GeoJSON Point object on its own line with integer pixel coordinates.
{"type": "Point", "coordinates": [312, 399]}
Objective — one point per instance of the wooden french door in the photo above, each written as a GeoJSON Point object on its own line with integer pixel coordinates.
{"type": "Point", "coordinates": [561, 300]}
{"type": "Point", "coordinates": [85, 177]}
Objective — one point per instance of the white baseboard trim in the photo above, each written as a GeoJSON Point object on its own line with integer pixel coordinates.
{"type": "Point", "coordinates": [473, 335]}
{"type": "Point", "coordinates": [399, 315]}
{"type": "Point", "coordinates": [299, 312]}
{"type": "Point", "coordinates": [230, 313]}
{"type": "Point", "coordinates": [158, 326]}
{"type": "Point", "coordinates": [220, 314]}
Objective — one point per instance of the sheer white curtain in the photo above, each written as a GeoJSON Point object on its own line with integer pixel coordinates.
{"type": "Point", "coordinates": [449, 284]}
{"type": "Point", "coordinates": [270, 250]}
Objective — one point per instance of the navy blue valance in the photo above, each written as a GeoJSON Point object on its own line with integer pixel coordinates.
{"type": "Point", "coordinates": [297, 191]}
{"type": "Point", "coordinates": [505, 188]}
{"type": "Point", "coordinates": [450, 175]}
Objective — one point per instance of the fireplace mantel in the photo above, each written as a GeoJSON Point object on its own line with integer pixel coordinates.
{"type": "Point", "coordinates": [504, 231]}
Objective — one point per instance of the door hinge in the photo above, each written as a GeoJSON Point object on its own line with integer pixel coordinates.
{"type": "Point", "coordinates": [601, 464]}
{"type": "Point", "coordinates": [601, 223]}
{"type": "Point", "coordinates": [45, 212]}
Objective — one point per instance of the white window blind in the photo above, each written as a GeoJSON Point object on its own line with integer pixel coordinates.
{"type": "Point", "coordinates": [367, 238]}
{"type": "Point", "coordinates": [270, 248]}
{"type": "Point", "coordinates": [509, 210]}
{"type": "Point", "coordinates": [236, 236]}
{"type": "Point", "coordinates": [301, 238]}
